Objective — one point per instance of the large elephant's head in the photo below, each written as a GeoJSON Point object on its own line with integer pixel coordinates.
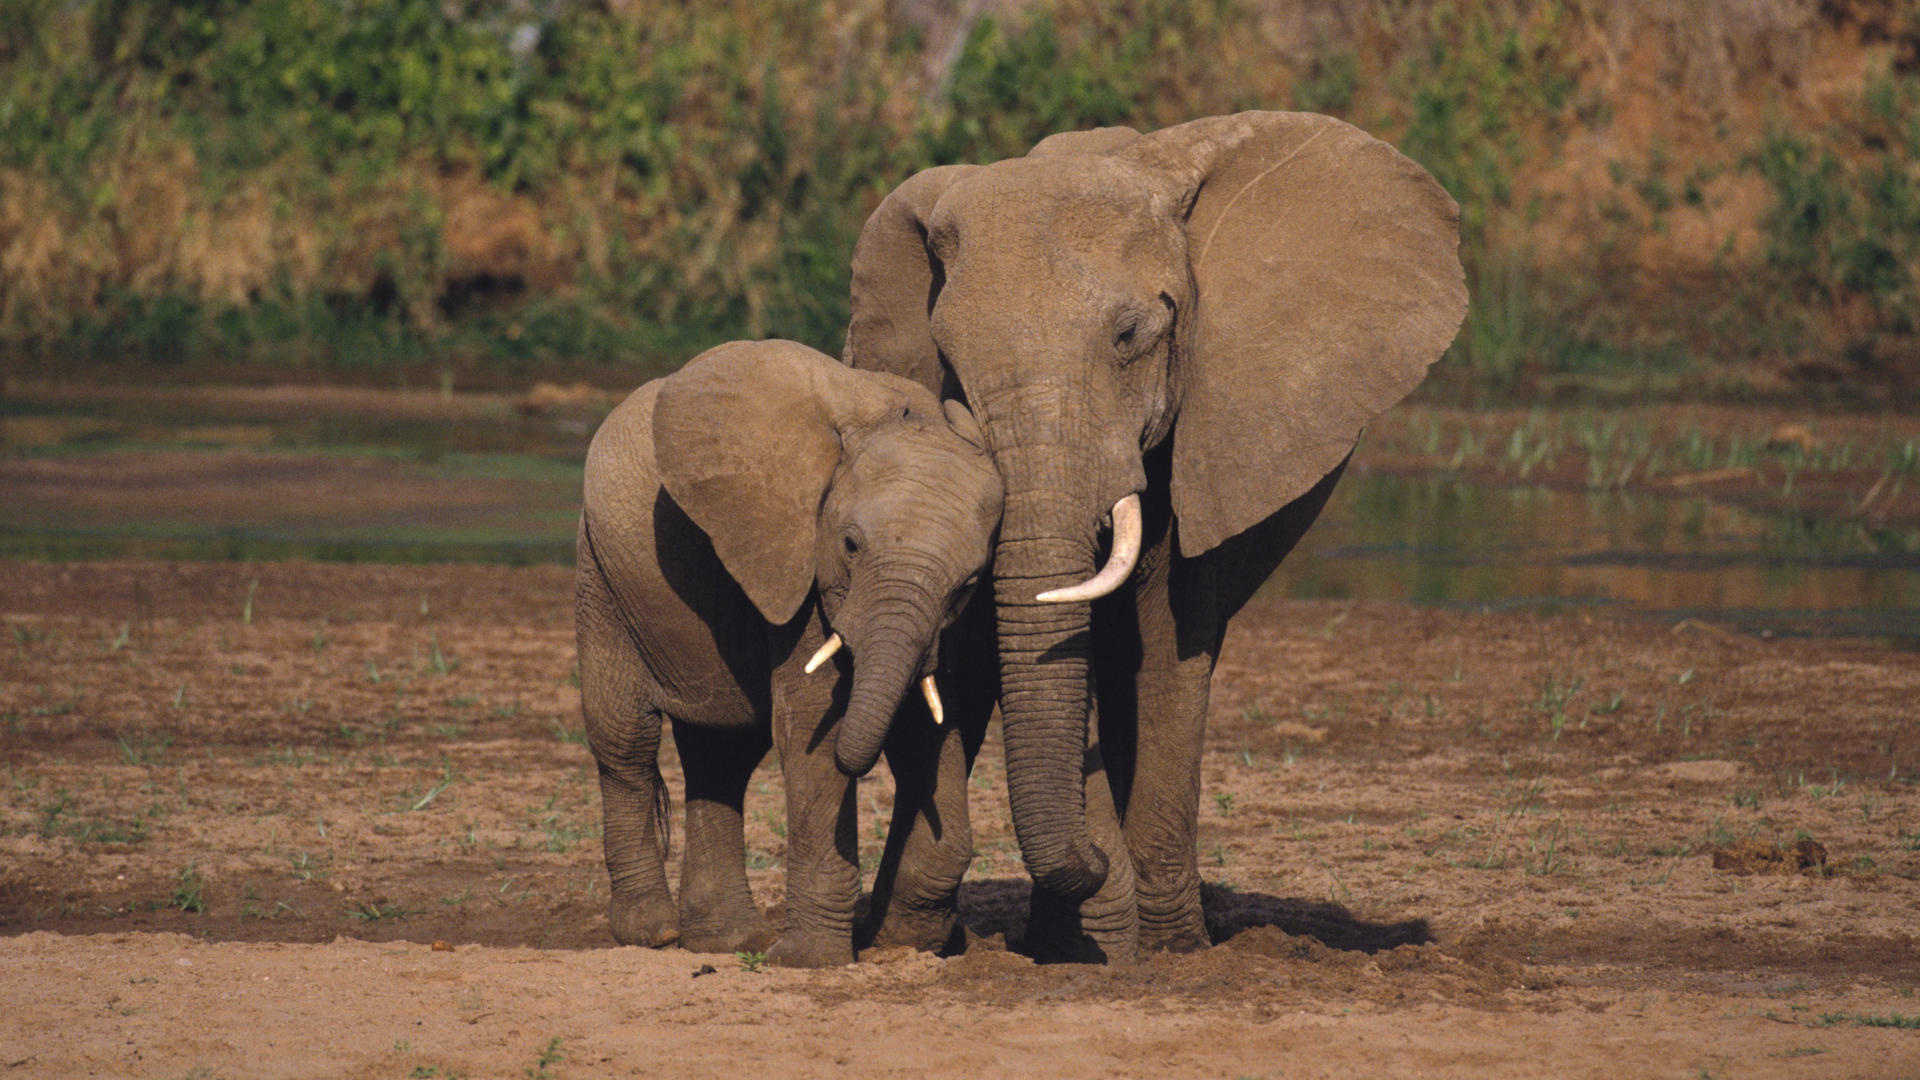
{"type": "Point", "coordinates": [862, 486]}
{"type": "Point", "coordinates": [1255, 287]}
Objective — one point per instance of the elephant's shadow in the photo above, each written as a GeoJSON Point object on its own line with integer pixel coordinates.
{"type": "Point", "coordinates": [998, 909]}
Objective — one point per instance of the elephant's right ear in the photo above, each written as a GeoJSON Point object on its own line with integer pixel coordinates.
{"type": "Point", "coordinates": [895, 281]}
{"type": "Point", "coordinates": [747, 437]}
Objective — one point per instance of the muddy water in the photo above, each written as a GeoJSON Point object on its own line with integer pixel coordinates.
{"type": "Point", "coordinates": [1439, 542]}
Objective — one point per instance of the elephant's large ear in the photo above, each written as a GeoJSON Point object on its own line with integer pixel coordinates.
{"type": "Point", "coordinates": [747, 437]}
{"type": "Point", "coordinates": [1328, 278]}
{"type": "Point", "coordinates": [895, 281]}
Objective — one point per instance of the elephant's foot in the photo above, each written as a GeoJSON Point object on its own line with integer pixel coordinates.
{"type": "Point", "coordinates": [816, 950]}
{"type": "Point", "coordinates": [1176, 928]}
{"type": "Point", "coordinates": [1059, 932]}
{"type": "Point", "coordinates": [1180, 939]}
{"type": "Point", "coordinates": [929, 929]}
{"type": "Point", "coordinates": [733, 929]}
{"type": "Point", "coordinates": [643, 920]}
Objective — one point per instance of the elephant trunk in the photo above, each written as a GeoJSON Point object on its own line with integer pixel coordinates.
{"type": "Point", "coordinates": [888, 657]}
{"type": "Point", "coordinates": [1044, 669]}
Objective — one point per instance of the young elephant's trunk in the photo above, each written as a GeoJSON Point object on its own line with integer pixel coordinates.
{"type": "Point", "coordinates": [889, 654]}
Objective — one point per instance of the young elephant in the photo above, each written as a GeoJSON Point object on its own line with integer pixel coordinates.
{"type": "Point", "coordinates": [736, 514]}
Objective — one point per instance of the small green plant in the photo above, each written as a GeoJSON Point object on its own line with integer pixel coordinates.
{"type": "Point", "coordinates": [1555, 695]}
{"type": "Point", "coordinates": [751, 961]}
{"type": "Point", "coordinates": [575, 736]}
{"type": "Point", "coordinates": [437, 661]}
{"type": "Point", "coordinates": [447, 779]}
{"type": "Point", "coordinates": [551, 1056]}
{"type": "Point", "coordinates": [145, 748]}
{"type": "Point", "coordinates": [1547, 851]}
{"type": "Point", "coordinates": [246, 606]}
{"type": "Point", "coordinates": [58, 819]}
{"type": "Point", "coordinates": [377, 911]}
{"type": "Point", "coordinates": [1224, 800]}
{"type": "Point", "coordinates": [1889, 1020]}
{"type": "Point", "coordinates": [305, 867]}
{"type": "Point", "coordinates": [186, 892]}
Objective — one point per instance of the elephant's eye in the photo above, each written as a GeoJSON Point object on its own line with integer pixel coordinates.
{"type": "Point", "coordinates": [850, 544]}
{"type": "Point", "coordinates": [1133, 332]}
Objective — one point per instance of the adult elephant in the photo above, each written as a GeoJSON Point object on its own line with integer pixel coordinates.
{"type": "Point", "coordinates": [1186, 331]}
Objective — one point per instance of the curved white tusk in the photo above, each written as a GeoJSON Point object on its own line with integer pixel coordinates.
{"type": "Point", "coordinates": [932, 694]}
{"type": "Point", "coordinates": [826, 651]}
{"type": "Point", "coordinates": [1126, 551]}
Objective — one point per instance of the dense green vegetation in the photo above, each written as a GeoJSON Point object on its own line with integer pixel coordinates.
{"type": "Point", "coordinates": [494, 189]}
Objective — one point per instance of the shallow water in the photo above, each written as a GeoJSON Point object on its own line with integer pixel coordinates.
{"type": "Point", "coordinates": [1436, 541]}
{"type": "Point", "coordinates": [1426, 539]}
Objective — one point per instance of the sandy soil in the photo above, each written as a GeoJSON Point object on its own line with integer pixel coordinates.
{"type": "Point", "coordinates": [340, 823]}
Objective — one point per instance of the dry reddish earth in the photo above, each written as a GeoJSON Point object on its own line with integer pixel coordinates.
{"type": "Point", "coordinates": [1438, 844]}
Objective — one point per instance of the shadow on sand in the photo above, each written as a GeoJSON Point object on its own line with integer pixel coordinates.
{"type": "Point", "coordinates": [998, 908]}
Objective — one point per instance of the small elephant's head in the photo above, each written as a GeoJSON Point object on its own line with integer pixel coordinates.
{"type": "Point", "coordinates": [809, 476]}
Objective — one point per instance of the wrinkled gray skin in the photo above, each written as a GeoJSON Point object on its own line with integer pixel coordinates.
{"type": "Point", "coordinates": [736, 512]}
{"type": "Point", "coordinates": [1205, 316]}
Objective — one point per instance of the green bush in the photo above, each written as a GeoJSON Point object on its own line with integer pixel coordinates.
{"type": "Point", "coordinates": [1843, 228]}
{"type": "Point", "coordinates": [498, 187]}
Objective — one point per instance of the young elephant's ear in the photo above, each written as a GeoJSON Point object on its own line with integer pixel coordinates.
{"type": "Point", "coordinates": [747, 437]}
{"type": "Point", "coordinates": [1327, 271]}
{"type": "Point", "coordinates": [895, 280]}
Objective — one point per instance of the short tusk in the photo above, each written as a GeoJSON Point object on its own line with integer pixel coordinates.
{"type": "Point", "coordinates": [932, 693]}
{"type": "Point", "coordinates": [1126, 551]}
{"type": "Point", "coordinates": [826, 652]}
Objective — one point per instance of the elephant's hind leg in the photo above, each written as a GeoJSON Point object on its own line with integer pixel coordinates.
{"type": "Point", "coordinates": [641, 911]}
{"type": "Point", "coordinates": [717, 912]}
{"type": "Point", "coordinates": [624, 732]}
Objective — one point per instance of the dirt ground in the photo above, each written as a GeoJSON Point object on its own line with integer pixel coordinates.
{"type": "Point", "coordinates": [290, 819]}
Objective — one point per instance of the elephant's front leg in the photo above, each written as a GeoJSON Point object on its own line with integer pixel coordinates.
{"type": "Point", "coordinates": [823, 852]}
{"type": "Point", "coordinates": [1156, 703]}
{"type": "Point", "coordinates": [1163, 809]}
{"type": "Point", "coordinates": [916, 893]}
{"type": "Point", "coordinates": [1180, 609]}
